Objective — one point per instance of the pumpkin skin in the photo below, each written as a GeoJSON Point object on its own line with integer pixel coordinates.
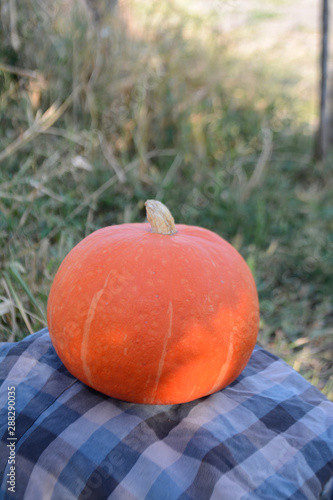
{"type": "Point", "coordinates": [154, 318]}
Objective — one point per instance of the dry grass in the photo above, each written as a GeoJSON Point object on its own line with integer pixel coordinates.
{"type": "Point", "coordinates": [107, 112]}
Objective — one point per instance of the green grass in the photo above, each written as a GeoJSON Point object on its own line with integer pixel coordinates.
{"type": "Point", "coordinates": [259, 16]}
{"type": "Point", "coordinates": [162, 109]}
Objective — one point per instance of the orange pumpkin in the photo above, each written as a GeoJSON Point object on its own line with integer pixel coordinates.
{"type": "Point", "coordinates": [158, 314]}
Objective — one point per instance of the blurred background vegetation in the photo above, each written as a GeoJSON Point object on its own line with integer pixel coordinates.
{"type": "Point", "coordinates": [210, 107]}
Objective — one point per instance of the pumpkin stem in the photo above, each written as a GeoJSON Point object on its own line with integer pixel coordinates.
{"type": "Point", "coordinates": [160, 218]}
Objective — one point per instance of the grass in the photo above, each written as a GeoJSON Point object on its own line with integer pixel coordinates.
{"type": "Point", "coordinates": [105, 114]}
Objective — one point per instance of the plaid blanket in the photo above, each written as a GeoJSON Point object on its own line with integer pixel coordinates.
{"type": "Point", "coordinates": [269, 435]}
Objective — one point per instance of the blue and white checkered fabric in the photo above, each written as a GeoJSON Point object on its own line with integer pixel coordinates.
{"type": "Point", "coordinates": [269, 435]}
